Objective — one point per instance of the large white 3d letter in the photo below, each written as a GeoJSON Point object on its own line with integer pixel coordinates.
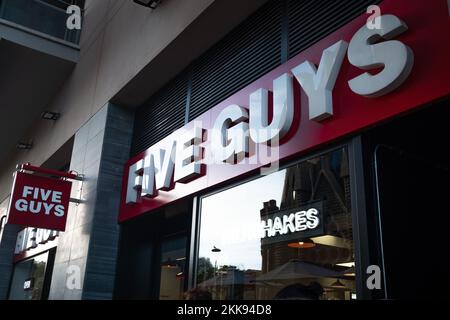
{"type": "Point", "coordinates": [189, 153]}
{"type": "Point", "coordinates": [283, 111]}
{"type": "Point", "coordinates": [230, 135]}
{"type": "Point", "coordinates": [319, 84]}
{"type": "Point", "coordinates": [367, 52]}
{"type": "Point", "coordinates": [134, 181]}
{"type": "Point", "coordinates": [148, 177]}
{"type": "Point", "coordinates": [164, 165]}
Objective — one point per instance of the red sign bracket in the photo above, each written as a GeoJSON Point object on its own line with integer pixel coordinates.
{"type": "Point", "coordinates": [72, 175]}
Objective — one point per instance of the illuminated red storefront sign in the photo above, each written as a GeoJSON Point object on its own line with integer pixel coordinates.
{"type": "Point", "coordinates": [39, 202]}
{"type": "Point", "coordinates": [354, 78]}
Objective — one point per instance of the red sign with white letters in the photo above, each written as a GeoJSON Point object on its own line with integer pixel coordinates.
{"type": "Point", "coordinates": [355, 105]}
{"type": "Point", "coordinates": [39, 202]}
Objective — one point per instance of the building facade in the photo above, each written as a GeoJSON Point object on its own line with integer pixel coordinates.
{"type": "Point", "coordinates": [158, 109]}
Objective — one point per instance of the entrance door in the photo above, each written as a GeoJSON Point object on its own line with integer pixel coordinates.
{"type": "Point", "coordinates": [410, 178]}
{"type": "Point", "coordinates": [414, 224]}
{"type": "Point", "coordinates": [152, 255]}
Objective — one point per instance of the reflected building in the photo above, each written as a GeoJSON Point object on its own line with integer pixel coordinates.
{"type": "Point", "coordinates": [325, 179]}
{"type": "Point", "coordinates": [316, 262]}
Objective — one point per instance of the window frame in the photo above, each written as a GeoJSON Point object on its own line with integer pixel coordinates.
{"type": "Point", "coordinates": [358, 212]}
{"type": "Point", "coordinates": [48, 273]}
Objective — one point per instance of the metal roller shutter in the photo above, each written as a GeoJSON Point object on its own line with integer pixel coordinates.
{"type": "Point", "coordinates": [312, 20]}
{"type": "Point", "coordinates": [244, 55]}
{"type": "Point", "coordinates": [279, 30]}
{"type": "Point", "coordinates": [161, 115]}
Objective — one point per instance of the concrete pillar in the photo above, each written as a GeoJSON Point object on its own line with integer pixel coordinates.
{"type": "Point", "coordinates": [88, 248]}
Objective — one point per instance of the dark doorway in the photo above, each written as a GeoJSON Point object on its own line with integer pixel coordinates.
{"type": "Point", "coordinates": [409, 188]}
{"type": "Point", "coordinates": [152, 255]}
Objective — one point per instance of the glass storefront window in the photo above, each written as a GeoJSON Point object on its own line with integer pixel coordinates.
{"type": "Point", "coordinates": [287, 235]}
{"type": "Point", "coordinates": [29, 278]}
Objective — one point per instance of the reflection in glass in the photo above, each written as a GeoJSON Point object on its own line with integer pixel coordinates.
{"type": "Point", "coordinates": [173, 261]}
{"type": "Point", "coordinates": [287, 235]}
{"type": "Point", "coordinates": [29, 278]}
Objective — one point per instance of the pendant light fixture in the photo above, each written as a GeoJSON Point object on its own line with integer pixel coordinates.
{"type": "Point", "coordinates": [302, 244]}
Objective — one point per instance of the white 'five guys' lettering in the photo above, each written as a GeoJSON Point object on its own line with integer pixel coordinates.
{"type": "Point", "coordinates": [42, 199]}
{"type": "Point", "coordinates": [181, 160]}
